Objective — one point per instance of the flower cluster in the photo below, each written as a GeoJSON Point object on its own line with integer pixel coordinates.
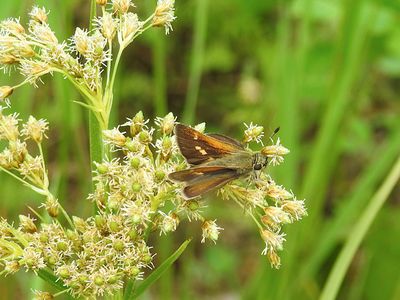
{"type": "Point", "coordinates": [35, 50]}
{"type": "Point", "coordinates": [94, 256]}
{"type": "Point", "coordinates": [18, 158]}
{"type": "Point", "coordinates": [270, 205]}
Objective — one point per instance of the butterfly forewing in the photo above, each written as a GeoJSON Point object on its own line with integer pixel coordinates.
{"type": "Point", "coordinates": [227, 139]}
{"type": "Point", "coordinates": [198, 148]}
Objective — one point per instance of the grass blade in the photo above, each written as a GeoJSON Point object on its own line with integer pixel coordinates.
{"type": "Point", "coordinates": [51, 279]}
{"type": "Point", "coordinates": [131, 293]}
{"type": "Point", "coordinates": [196, 61]}
{"type": "Point", "coordinates": [343, 261]}
{"type": "Point", "coordinates": [372, 175]}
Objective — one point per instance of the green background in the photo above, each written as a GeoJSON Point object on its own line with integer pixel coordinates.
{"type": "Point", "coordinates": [326, 72]}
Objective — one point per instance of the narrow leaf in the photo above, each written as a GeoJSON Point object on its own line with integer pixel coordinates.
{"type": "Point", "coordinates": [51, 279]}
{"type": "Point", "coordinates": [131, 293]}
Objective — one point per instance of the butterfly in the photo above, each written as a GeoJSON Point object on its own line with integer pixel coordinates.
{"type": "Point", "coordinates": [214, 160]}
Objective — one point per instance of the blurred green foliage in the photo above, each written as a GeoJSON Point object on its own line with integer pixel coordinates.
{"type": "Point", "coordinates": [327, 72]}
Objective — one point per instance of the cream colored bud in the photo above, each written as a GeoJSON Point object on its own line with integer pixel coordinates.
{"type": "Point", "coordinates": [35, 129]}
{"type": "Point", "coordinates": [81, 40]}
{"type": "Point", "coordinates": [26, 51]}
{"type": "Point", "coordinates": [5, 91]}
{"type": "Point", "coordinates": [295, 208]}
{"type": "Point", "coordinates": [11, 266]}
{"type": "Point", "coordinates": [273, 240]}
{"type": "Point", "coordinates": [108, 26]}
{"type": "Point", "coordinates": [210, 231]}
{"type": "Point", "coordinates": [121, 6]}
{"type": "Point", "coordinates": [137, 123]}
{"type": "Point", "coordinates": [164, 14]}
{"type": "Point", "coordinates": [130, 25]}
{"type": "Point", "coordinates": [114, 136]}
{"type": "Point", "coordinates": [79, 223]}
{"type": "Point", "coordinates": [13, 26]}
{"type": "Point", "coordinates": [274, 259]}
{"type": "Point", "coordinates": [278, 192]}
{"type": "Point", "coordinates": [8, 59]}
{"type": "Point", "coordinates": [52, 206]}
{"type": "Point", "coordinates": [274, 150]}
{"type": "Point", "coordinates": [253, 133]}
{"type": "Point", "coordinates": [39, 15]}
{"type": "Point", "coordinates": [27, 224]}
{"type": "Point", "coordinates": [167, 123]}
{"type": "Point", "coordinates": [101, 2]}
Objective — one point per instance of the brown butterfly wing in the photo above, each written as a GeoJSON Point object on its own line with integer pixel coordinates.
{"type": "Point", "coordinates": [207, 183]}
{"type": "Point", "coordinates": [227, 139]}
{"type": "Point", "coordinates": [194, 173]}
{"type": "Point", "coordinates": [198, 148]}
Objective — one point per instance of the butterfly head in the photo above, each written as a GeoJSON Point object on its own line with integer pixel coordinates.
{"type": "Point", "coordinates": [259, 161]}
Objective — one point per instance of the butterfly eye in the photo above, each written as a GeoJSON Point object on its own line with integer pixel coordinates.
{"type": "Point", "coordinates": [257, 167]}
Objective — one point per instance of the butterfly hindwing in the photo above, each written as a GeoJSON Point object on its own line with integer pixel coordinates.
{"type": "Point", "coordinates": [205, 184]}
{"type": "Point", "coordinates": [195, 173]}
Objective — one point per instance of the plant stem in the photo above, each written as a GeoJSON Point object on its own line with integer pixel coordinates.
{"type": "Point", "coordinates": [196, 61]}
{"type": "Point", "coordinates": [95, 130]}
{"type": "Point", "coordinates": [159, 71]}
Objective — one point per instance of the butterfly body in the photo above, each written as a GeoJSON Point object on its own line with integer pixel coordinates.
{"type": "Point", "coordinates": [215, 160]}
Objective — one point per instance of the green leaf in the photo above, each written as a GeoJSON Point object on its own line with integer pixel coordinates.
{"type": "Point", "coordinates": [131, 293]}
{"type": "Point", "coordinates": [51, 279]}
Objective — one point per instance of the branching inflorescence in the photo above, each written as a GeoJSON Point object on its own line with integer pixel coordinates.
{"type": "Point", "coordinates": [96, 256]}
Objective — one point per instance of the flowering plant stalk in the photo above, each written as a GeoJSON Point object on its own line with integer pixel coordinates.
{"type": "Point", "coordinates": [107, 253]}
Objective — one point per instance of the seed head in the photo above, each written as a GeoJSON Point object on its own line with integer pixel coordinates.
{"type": "Point", "coordinates": [275, 152]}
{"type": "Point", "coordinates": [35, 129]}
{"type": "Point", "coordinates": [164, 14]}
{"type": "Point", "coordinates": [253, 132]}
{"type": "Point", "coordinates": [27, 224]}
{"type": "Point", "coordinates": [166, 124]}
{"type": "Point", "coordinates": [136, 123]}
{"type": "Point", "coordinates": [168, 223]}
{"type": "Point", "coordinates": [11, 266]}
{"type": "Point", "coordinates": [39, 15]}
{"type": "Point", "coordinates": [295, 208]}
{"type": "Point", "coordinates": [101, 2]}
{"type": "Point", "coordinates": [5, 92]}
{"type": "Point", "coordinates": [81, 41]}
{"type": "Point", "coordinates": [114, 137]}
{"type": "Point", "coordinates": [121, 6]}
{"type": "Point", "coordinates": [210, 231]}
{"type": "Point", "coordinates": [12, 26]}
{"type": "Point", "coordinates": [9, 127]}
{"type": "Point", "coordinates": [52, 206]}
{"type": "Point", "coordinates": [130, 26]}
{"type": "Point", "coordinates": [107, 26]}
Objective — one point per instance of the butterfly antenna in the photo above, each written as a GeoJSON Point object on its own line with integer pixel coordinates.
{"type": "Point", "coordinates": [275, 132]}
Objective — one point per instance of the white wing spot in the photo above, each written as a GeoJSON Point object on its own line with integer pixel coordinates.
{"type": "Point", "coordinates": [202, 151]}
{"type": "Point", "coordinates": [196, 137]}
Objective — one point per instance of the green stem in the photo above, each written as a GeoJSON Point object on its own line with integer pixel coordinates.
{"type": "Point", "coordinates": [115, 68]}
{"type": "Point", "coordinates": [196, 61]}
{"type": "Point", "coordinates": [159, 71]}
{"type": "Point", "coordinates": [355, 237]}
{"type": "Point", "coordinates": [349, 56]}
{"type": "Point", "coordinates": [95, 130]}
{"type": "Point", "coordinates": [34, 188]}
